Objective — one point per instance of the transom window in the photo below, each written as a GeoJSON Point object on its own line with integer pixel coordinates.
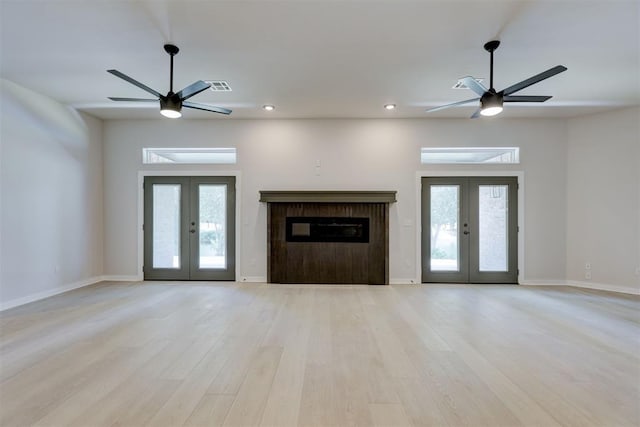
{"type": "Point", "coordinates": [470, 155]}
{"type": "Point", "coordinates": [189, 155]}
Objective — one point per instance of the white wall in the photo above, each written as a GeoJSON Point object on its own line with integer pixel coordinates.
{"type": "Point", "coordinates": [51, 227]}
{"type": "Point", "coordinates": [603, 182]}
{"type": "Point", "coordinates": [62, 224]}
{"type": "Point", "coordinates": [354, 155]}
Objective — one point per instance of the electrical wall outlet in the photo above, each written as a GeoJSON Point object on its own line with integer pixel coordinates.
{"type": "Point", "coordinates": [587, 266]}
{"type": "Point", "coordinates": [587, 275]}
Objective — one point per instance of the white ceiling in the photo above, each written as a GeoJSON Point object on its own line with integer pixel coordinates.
{"type": "Point", "coordinates": [320, 59]}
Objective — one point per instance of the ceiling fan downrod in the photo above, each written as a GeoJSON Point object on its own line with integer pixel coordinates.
{"type": "Point", "coordinates": [490, 47]}
{"type": "Point", "coordinates": [172, 50]}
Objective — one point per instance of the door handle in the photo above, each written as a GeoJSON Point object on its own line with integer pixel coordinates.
{"type": "Point", "coordinates": [465, 232]}
{"type": "Point", "coordinates": [192, 231]}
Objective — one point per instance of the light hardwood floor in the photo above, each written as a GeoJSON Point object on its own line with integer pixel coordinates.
{"type": "Point", "coordinates": [168, 354]}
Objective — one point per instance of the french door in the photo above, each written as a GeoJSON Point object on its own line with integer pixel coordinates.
{"type": "Point", "coordinates": [470, 230]}
{"type": "Point", "coordinates": [189, 228]}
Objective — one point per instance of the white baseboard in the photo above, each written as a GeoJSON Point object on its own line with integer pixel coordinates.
{"type": "Point", "coordinates": [604, 287]}
{"type": "Point", "coordinates": [260, 279]}
{"type": "Point", "coordinates": [544, 282]}
{"type": "Point", "coordinates": [581, 284]}
{"type": "Point", "coordinates": [403, 282]}
{"type": "Point", "coordinates": [253, 279]}
{"type": "Point", "coordinates": [6, 305]}
{"type": "Point", "coordinates": [122, 278]}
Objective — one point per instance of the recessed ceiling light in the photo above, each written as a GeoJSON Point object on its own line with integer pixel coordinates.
{"type": "Point", "coordinates": [269, 107]}
{"type": "Point", "coordinates": [390, 106]}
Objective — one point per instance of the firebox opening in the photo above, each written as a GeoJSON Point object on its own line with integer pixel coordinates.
{"type": "Point", "coordinates": [327, 229]}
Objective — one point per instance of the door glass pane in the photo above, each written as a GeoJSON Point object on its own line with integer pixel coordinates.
{"type": "Point", "coordinates": [166, 226]}
{"type": "Point", "coordinates": [213, 221]}
{"type": "Point", "coordinates": [493, 231]}
{"type": "Point", "coordinates": [445, 206]}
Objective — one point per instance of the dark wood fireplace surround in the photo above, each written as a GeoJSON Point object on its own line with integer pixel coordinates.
{"type": "Point", "coordinates": [354, 250]}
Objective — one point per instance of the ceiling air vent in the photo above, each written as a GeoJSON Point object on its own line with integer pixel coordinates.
{"type": "Point", "coordinates": [460, 85]}
{"type": "Point", "coordinates": [219, 86]}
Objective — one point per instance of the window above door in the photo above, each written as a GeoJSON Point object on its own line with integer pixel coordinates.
{"type": "Point", "coordinates": [207, 155]}
{"type": "Point", "coordinates": [470, 155]}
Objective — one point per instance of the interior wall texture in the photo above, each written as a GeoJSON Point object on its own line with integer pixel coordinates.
{"type": "Point", "coordinates": [358, 154]}
{"type": "Point", "coordinates": [603, 209]}
{"type": "Point", "coordinates": [51, 220]}
{"type": "Point", "coordinates": [69, 187]}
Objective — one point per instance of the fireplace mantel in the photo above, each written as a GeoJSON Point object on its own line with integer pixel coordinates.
{"type": "Point", "coordinates": [328, 196]}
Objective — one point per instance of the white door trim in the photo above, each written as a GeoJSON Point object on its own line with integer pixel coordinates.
{"type": "Point", "coordinates": [445, 173]}
{"type": "Point", "coordinates": [140, 234]}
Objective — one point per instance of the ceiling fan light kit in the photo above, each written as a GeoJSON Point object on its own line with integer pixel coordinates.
{"type": "Point", "coordinates": [171, 104]}
{"type": "Point", "coordinates": [171, 114]}
{"type": "Point", "coordinates": [490, 104]}
{"type": "Point", "coordinates": [170, 107]}
{"type": "Point", "coordinates": [491, 101]}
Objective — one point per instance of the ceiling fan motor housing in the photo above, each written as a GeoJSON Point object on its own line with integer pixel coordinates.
{"type": "Point", "coordinates": [171, 102]}
{"type": "Point", "coordinates": [491, 99]}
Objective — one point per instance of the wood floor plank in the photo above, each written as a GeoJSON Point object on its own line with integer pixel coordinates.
{"type": "Point", "coordinates": [283, 403]}
{"type": "Point", "coordinates": [317, 403]}
{"type": "Point", "coordinates": [418, 399]}
{"type": "Point", "coordinates": [101, 384]}
{"type": "Point", "coordinates": [252, 396]}
{"type": "Point", "coordinates": [352, 346]}
{"type": "Point", "coordinates": [30, 402]}
{"type": "Point", "coordinates": [245, 338]}
{"type": "Point", "coordinates": [318, 406]}
{"type": "Point", "coordinates": [526, 409]}
{"type": "Point", "coordinates": [389, 344]}
{"type": "Point", "coordinates": [132, 403]}
{"type": "Point", "coordinates": [388, 415]}
{"type": "Point", "coordinates": [211, 410]}
{"type": "Point", "coordinates": [179, 407]}
{"type": "Point", "coordinates": [202, 353]}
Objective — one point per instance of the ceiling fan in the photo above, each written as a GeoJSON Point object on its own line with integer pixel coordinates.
{"type": "Point", "coordinates": [171, 104]}
{"type": "Point", "coordinates": [490, 100]}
